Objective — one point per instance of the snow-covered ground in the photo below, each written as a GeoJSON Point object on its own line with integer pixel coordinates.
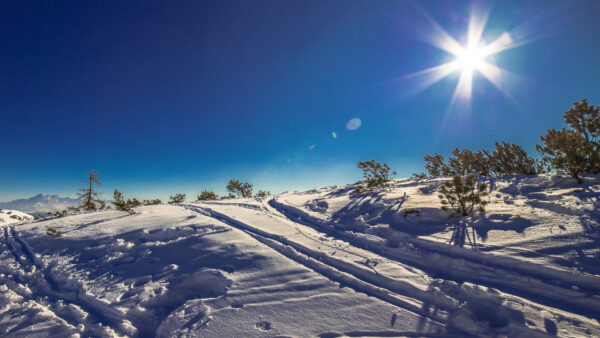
{"type": "Point", "coordinates": [13, 216]}
{"type": "Point", "coordinates": [317, 263]}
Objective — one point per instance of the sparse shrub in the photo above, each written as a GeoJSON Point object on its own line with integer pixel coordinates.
{"type": "Point", "coordinates": [464, 197]}
{"type": "Point", "coordinates": [239, 189]}
{"type": "Point", "coordinates": [135, 202]}
{"type": "Point", "coordinates": [14, 216]}
{"type": "Point", "coordinates": [576, 150]}
{"type": "Point", "coordinates": [53, 232]}
{"type": "Point", "coordinates": [511, 159]}
{"type": "Point", "coordinates": [9, 212]}
{"type": "Point", "coordinates": [152, 202]}
{"type": "Point", "coordinates": [507, 159]}
{"type": "Point", "coordinates": [436, 166]}
{"type": "Point", "coordinates": [263, 194]}
{"type": "Point", "coordinates": [87, 195]}
{"type": "Point", "coordinates": [412, 211]}
{"type": "Point", "coordinates": [207, 195]}
{"type": "Point", "coordinates": [230, 196]}
{"type": "Point", "coordinates": [120, 203]}
{"type": "Point", "coordinates": [177, 198]}
{"type": "Point", "coordinates": [376, 177]}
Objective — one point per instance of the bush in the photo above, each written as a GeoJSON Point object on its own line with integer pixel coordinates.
{"type": "Point", "coordinates": [207, 195]}
{"type": "Point", "coordinates": [576, 150]}
{"type": "Point", "coordinates": [120, 203]}
{"type": "Point", "coordinates": [152, 202]}
{"type": "Point", "coordinates": [263, 194]}
{"type": "Point", "coordinates": [507, 159]}
{"type": "Point", "coordinates": [177, 198]}
{"type": "Point", "coordinates": [239, 189]}
{"type": "Point", "coordinates": [463, 197]}
{"type": "Point", "coordinates": [376, 177]}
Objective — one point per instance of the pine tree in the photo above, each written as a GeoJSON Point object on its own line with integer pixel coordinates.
{"type": "Point", "coordinates": [177, 198]}
{"type": "Point", "coordinates": [240, 189]}
{"type": "Point", "coordinates": [87, 196]}
{"type": "Point", "coordinates": [464, 197]}
{"type": "Point", "coordinates": [120, 203]}
{"type": "Point", "coordinates": [207, 195]}
{"type": "Point", "coordinates": [263, 194]}
{"type": "Point", "coordinates": [576, 150]}
{"type": "Point", "coordinates": [376, 177]}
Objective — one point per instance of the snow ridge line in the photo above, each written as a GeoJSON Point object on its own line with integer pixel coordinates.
{"type": "Point", "coordinates": [513, 277]}
{"type": "Point", "coordinates": [357, 278]}
{"type": "Point", "coordinates": [102, 312]}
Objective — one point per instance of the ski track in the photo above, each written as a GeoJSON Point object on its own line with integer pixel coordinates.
{"type": "Point", "coordinates": [56, 296]}
{"type": "Point", "coordinates": [547, 286]}
{"type": "Point", "coordinates": [362, 280]}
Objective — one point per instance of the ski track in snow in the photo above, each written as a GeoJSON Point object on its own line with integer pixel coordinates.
{"type": "Point", "coordinates": [244, 267]}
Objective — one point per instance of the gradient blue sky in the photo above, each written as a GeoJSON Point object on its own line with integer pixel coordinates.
{"type": "Point", "coordinates": [162, 97]}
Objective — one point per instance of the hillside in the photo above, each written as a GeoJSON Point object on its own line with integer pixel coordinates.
{"type": "Point", "coordinates": [316, 263]}
{"type": "Point", "coordinates": [13, 216]}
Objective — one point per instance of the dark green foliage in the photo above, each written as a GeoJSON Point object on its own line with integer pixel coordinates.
{"type": "Point", "coordinates": [507, 159]}
{"type": "Point", "coordinates": [88, 197]}
{"type": "Point", "coordinates": [576, 150]}
{"type": "Point", "coordinates": [376, 177]}
{"type": "Point", "coordinates": [462, 195]}
{"type": "Point", "coordinates": [177, 198]}
{"type": "Point", "coordinates": [53, 232]}
{"type": "Point", "coordinates": [263, 194]}
{"type": "Point", "coordinates": [436, 166]}
{"type": "Point", "coordinates": [510, 159]}
{"type": "Point", "coordinates": [120, 203]}
{"type": "Point", "coordinates": [135, 202]}
{"type": "Point", "coordinates": [239, 189]}
{"type": "Point", "coordinates": [152, 202]}
{"type": "Point", "coordinates": [207, 195]}
{"type": "Point", "coordinates": [412, 211]}
{"type": "Point", "coordinates": [229, 196]}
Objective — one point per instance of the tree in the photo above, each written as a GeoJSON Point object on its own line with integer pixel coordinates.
{"type": "Point", "coordinates": [120, 203]}
{"type": "Point", "coordinates": [152, 202]}
{"type": "Point", "coordinates": [87, 195]}
{"type": "Point", "coordinates": [207, 195]}
{"type": "Point", "coordinates": [511, 159]}
{"type": "Point", "coordinates": [436, 166]}
{"type": "Point", "coordinates": [376, 176]}
{"type": "Point", "coordinates": [263, 194]}
{"type": "Point", "coordinates": [239, 189]}
{"type": "Point", "coordinates": [177, 198]}
{"type": "Point", "coordinates": [464, 197]}
{"type": "Point", "coordinates": [576, 150]}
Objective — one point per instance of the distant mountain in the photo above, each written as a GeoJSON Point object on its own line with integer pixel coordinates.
{"type": "Point", "coordinates": [40, 203]}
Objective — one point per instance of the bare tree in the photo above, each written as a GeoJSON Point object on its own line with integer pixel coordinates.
{"type": "Point", "coordinates": [87, 196]}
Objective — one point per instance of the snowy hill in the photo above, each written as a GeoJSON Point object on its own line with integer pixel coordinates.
{"type": "Point", "coordinates": [317, 263]}
{"type": "Point", "coordinates": [13, 216]}
{"type": "Point", "coordinates": [41, 203]}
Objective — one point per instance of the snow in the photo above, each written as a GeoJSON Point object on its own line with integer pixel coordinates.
{"type": "Point", "coordinates": [317, 263]}
{"type": "Point", "coordinates": [13, 216]}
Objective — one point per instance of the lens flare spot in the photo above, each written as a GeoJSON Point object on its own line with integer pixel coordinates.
{"type": "Point", "coordinates": [353, 123]}
{"type": "Point", "coordinates": [333, 134]}
{"type": "Point", "coordinates": [311, 147]}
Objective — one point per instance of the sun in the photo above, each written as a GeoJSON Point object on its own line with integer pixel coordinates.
{"type": "Point", "coordinates": [475, 56]}
{"type": "Point", "coordinates": [469, 59]}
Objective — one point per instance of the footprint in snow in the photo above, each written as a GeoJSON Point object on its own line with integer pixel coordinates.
{"type": "Point", "coordinates": [263, 325]}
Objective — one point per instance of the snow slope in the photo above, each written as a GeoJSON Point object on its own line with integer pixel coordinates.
{"type": "Point", "coordinates": [13, 216]}
{"type": "Point", "coordinates": [318, 263]}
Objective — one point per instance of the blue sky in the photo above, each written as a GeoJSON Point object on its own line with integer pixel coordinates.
{"type": "Point", "coordinates": [161, 97]}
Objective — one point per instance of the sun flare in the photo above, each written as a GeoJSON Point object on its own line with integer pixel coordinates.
{"type": "Point", "coordinates": [475, 56]}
